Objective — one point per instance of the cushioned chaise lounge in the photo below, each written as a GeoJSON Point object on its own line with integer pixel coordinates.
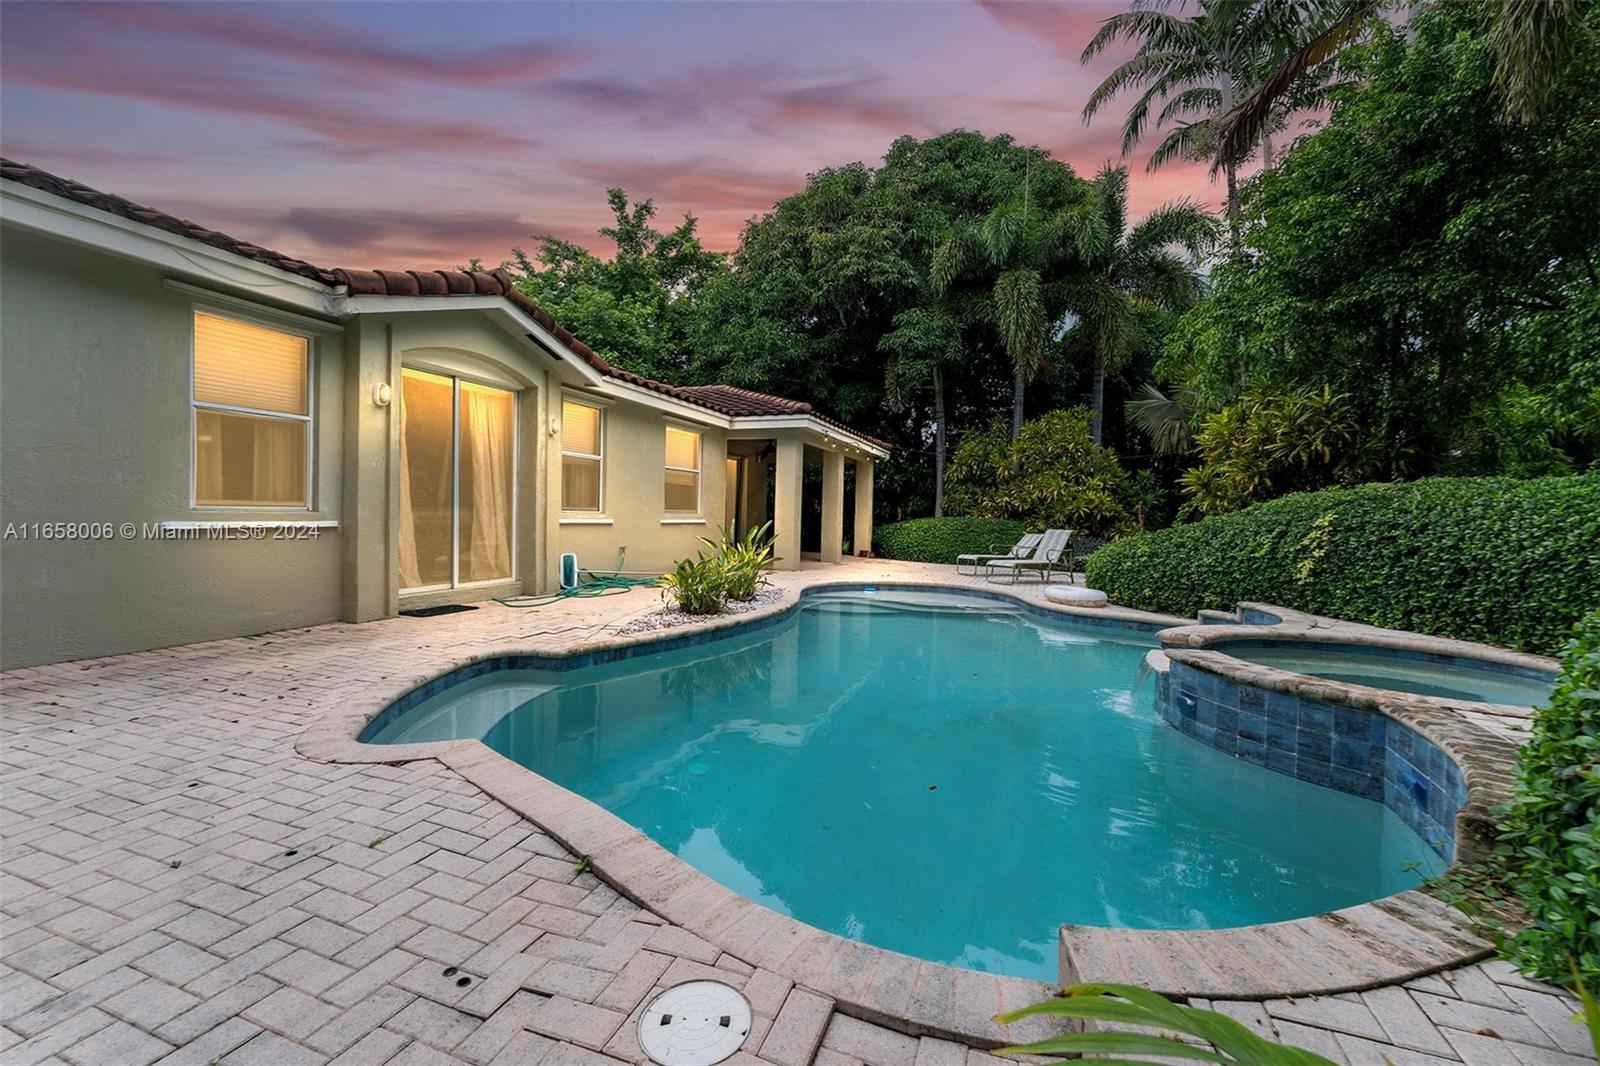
{"type": "Point", "coordinates": [1020, 550]}
{"type": "Point", "coordinates": [1044, 560]}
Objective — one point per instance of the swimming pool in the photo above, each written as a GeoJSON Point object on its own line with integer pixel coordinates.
{"type": "Point", "coordinates": [1441, 676]}
{"type": "Point", "coordinates": [940, 775]}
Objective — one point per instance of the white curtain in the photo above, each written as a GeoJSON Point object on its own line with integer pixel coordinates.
{"type": "Point", "coordinates": [487, 443]}
{"type": "Point", "coordinates": [410, 568]}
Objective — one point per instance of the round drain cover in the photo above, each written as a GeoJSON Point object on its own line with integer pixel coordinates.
{"type": "Point", "coordinates": [697, 1023]}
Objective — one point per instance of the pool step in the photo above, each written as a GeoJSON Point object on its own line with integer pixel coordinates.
{"type": "Point", "coordinates": [1387, 941]}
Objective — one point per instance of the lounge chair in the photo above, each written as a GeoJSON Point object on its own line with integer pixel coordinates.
{"type": "Point", "coordinates": [1044, 561]}
{"type": "Point", "coordinates": [1020, 550]}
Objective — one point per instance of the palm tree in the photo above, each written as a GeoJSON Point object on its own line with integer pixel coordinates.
{"type": "Point", "coordinates": [1195, 68]}
{"type": "Point", "coordinates": [1017, 253]}
{"type": "Point", "coordinates": [924, 342]}
{"type": "Point", "coordinates": [1531, 40]}
{"type": "Point", "coordinates": [1129, 271]}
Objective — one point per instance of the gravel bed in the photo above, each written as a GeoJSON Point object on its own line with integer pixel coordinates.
{"type": "Point", "coordinates": [668, 617]}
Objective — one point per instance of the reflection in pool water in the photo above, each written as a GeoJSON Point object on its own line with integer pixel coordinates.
{"type": "Point", "coordinates": [935, 775]}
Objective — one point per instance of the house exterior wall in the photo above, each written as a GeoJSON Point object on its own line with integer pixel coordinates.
{"type": "Point", "coordinates": [633, 514]}
{"type": "Point", "coordinates": [94, 397]}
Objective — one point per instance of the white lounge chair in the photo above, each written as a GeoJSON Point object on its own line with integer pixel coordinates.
{"type": "Point", "coordinates": [1020, 550]}
{"type": "Point", "coordinates": [1052, 547]}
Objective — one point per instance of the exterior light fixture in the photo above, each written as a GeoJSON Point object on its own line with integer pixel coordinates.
{"type": "Point", "coordinates": [382, 394]}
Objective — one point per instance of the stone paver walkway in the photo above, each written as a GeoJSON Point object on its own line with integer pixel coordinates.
{"type": "Point", "coordinates": [178, 886]}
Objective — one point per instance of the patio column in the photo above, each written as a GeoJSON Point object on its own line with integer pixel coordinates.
{"type": "Point", "coordinates": [789, 480]}
{"type": "Point", "coordinates": [862, 540]}
{"type": "Point", "coordinates": [832, 506]}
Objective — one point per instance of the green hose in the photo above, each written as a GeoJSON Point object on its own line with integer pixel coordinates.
{"type": "Point", "coordinates": [597, 585]}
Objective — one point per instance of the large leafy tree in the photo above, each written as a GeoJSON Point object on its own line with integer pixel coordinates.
{"type": "Point", "coordinates": [831, 298]}
{"type": "Point", "coordinates": [1131, 277]}
{"type": "Point", "coordinates": [639, 307]}
{"type": "Point", "coordinates": [1438, 266]}
{"type": "Point", "coordinates": [1532, 40]}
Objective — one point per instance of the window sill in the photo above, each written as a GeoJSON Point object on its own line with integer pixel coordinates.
{"type": "Point", "coordinates": [587, 520]}
{"type": "Point", "coordinates": [250, 525]}
{"type": "Point", "coordinates": [683, 521]}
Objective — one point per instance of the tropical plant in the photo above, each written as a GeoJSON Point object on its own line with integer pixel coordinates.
{"type": "Point", "coordinates": [1552, 824]}
{"type": "Point", "coordinates": [924, 344]}
{"type": "Point", "coordinates": [1052, 476]}
{"type": "Point", "coordinates": [1423, 258]}
{"type": "Point", "coordinates": [638, 308]}
{"type": "Point", "coordinates": [1500, 560]}
{"type": "Point", "coordinates": [744, 560]}
{"type": "Point", "coordinates": [1129, 272]}
{"type": "Point", "coordinates": [1211, 1037]}
{"type": "Point", "coordinates": [1198, 65]}
{"type": "Point", "coordinates": [1272, 441]}
{"type": "Point", "coordinates": [1021, 255]}
{"type": "Point", "coordinates": [1531, 41]}
{"type": "Point", "coordinates": [696, 586]}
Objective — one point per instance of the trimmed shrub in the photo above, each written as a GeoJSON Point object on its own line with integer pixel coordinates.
{"type": "Point", "coordinates": [1053, 476]}
{"type": "Point", "coordinates": [940, 540]}
{"type": "Point", "coordinates": [1553, 823]}
{"type": "Point", "coordinates": [1497, 560]}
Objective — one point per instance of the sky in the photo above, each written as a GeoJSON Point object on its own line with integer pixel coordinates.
{"type": "Point", "coordinates": [422, 135]}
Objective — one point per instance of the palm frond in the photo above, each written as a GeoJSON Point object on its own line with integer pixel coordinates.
{"type": "Point", "coordinates": [1189, 140]}
{"type": "Point", "coordinates": [1111, 189]}
{"type": "Point", "coordinates": [1200, 100]}
{"type": "Point", "coordinates": [1182, 222]}
{"type": "Point", "coordinates": [1163, 419]}
{"type": "Point", "coordinates": [1240, 129]}
{"type": "Point", "coordinates": [1531, 40]}
{"type": "Point", "coordinates": [1020, 315]}
{"type": "Point", "coordinates": [1002, 232]}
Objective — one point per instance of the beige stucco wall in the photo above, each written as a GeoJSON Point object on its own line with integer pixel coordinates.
{"type": "Point", "coordinates": [634, 509]}
{"type": "Point", "coordinates": [95, 365]}
{"type": "Point", "coordinates": [94, 404]}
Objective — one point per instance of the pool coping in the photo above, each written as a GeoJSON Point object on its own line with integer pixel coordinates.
{"type": "Point", "coordinates": [1381, 942]}
{"type": "Point", "coordinates": [883, 986]}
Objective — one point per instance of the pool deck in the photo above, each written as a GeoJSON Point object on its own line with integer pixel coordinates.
{"type": "Point", "coordinates": [180, 884]}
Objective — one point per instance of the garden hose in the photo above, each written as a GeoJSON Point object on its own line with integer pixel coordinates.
{"type": "Point", "coordinates": [597, 585]}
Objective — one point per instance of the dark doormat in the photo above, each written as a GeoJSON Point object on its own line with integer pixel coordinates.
{"type": "Point", "coordinates": [433, 612]}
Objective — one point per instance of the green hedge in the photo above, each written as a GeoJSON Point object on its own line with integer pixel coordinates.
{"type": "Point", "coordinates": [1507, 562]}
{"type": "Point", "coordinates": [940, 540]}
{"type": "Point", "coordinates": [1553, 824]}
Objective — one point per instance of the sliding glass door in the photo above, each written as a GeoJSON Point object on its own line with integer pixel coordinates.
{"type": "Point", "coordinates": [458, 457]}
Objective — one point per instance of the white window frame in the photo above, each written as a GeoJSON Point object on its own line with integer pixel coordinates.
{"type": "Point", "coordinates": [698, 470]}
{"type": "Point", "coordinates": [308, 419]}
{"type": "Point", "coordinates": [456, 378]}
{"type": "Point", "coordinates": [600, 457]}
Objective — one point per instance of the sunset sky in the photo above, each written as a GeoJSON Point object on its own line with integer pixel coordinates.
{"type": "Point", "coordinates": [395, 134]}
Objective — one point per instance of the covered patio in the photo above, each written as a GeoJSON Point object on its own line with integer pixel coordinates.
{"type": "Point", "coordinates": [826, 517]}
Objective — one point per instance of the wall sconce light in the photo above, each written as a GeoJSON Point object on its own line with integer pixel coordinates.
{"type": "Point", "coordinates": [382, 394]}
{"type": "Point", "coordinates": [555, 425]}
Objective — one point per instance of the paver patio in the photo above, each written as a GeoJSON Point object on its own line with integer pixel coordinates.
{"type": "Point", "coordinates": [180, 886]}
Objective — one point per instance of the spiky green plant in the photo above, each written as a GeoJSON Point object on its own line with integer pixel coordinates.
{"type": "Point", "coordinates": [744, 560]}
{"type": "Point", "coordinates": [696, 586]}
{"type": "Point", "coordinates": [1221, 1039]}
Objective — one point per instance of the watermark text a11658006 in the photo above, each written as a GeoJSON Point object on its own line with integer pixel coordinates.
{"type": "Point", "coordinates": [164, 530]}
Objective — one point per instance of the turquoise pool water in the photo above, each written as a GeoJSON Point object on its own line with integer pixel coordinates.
{"type": "Point", "coordinates": [1448, 678]}
{"type": "Point", "coordinates": [938, 775]}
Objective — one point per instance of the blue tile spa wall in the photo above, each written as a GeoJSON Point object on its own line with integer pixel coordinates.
{"type": "Point", "coordinates": [1347, 748]}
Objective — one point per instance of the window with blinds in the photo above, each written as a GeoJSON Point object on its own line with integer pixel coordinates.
{"type": "Point", "coordinates": [582, 456]}
{"type": "Point", "coordinates": [252, 415]}
{"type": "Point", "coordinates": [683, 471]}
